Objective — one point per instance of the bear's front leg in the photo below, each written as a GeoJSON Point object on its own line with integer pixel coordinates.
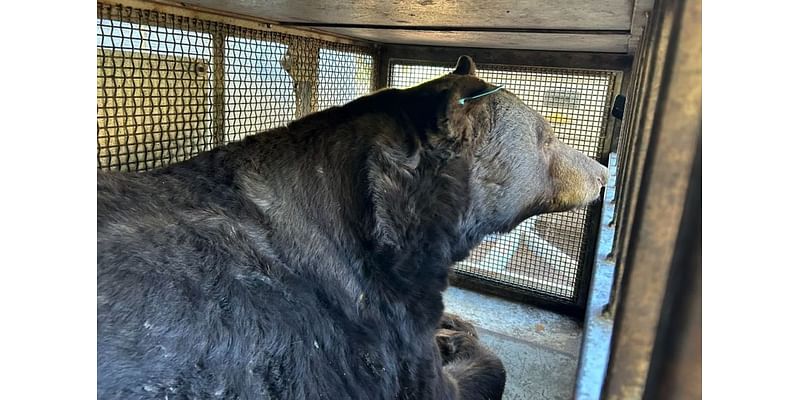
{"type": "Point", "coordinates": [477, 372]}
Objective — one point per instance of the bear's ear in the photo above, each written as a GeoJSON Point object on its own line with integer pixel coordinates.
{"type": "Point", "coordinates": [448, 109]}
{"type": "Point", "coordinates": [445, 106]}
{"type": "Point", "coordinates": [457, 103]}
{"type": "Point", "coordinates": [465, 91]}
{"type": "Point", "coordinates": [465, 66]}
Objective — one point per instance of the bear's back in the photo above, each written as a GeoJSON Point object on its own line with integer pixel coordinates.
{"type": "Point", "coordinates": [193, 289]}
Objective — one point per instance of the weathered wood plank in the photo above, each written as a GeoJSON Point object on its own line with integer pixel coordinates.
{"type": "Point", "coordinates": [564, 14]}
{"type": "Point", "coordinates": [498, 40]}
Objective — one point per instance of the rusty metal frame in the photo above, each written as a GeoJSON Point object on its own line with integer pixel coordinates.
{"type": "Point", "coordinates": [676, 362]}
{"type": "Point", "coordinates": [574, 311]}
{"type": "Point", "coordinates": [661, 200]}
{"type": "Point", "coordinates": [637, 131]}
{"type": "Point", "coordinates": [584, 279]}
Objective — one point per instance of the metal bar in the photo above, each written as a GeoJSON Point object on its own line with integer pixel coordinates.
{"type": "Point", "coordinates": [622, 82]}
{"type": "Point", "coordinates": [650, 75]}
{"type": "Point", "coordinates": [634, 100]}
{"type": "Point", "coordinates": [619, 138]}
{"type": "Point", "coordinates": [583, 281]}
{"type": "Point", "coordinates": [219, 88]}
{"type": "Point", "coordinates": [596, 343]}
{"type": "Point", "coordinates": [471, 282]}
{"type": "Point", "coordinates": [382, 67]}
{"type": "Point", "coordinates": [633, 107]}
{"type": "Point", "coordinates": [676, 367]}
{"type": "Point", "coordinates": [662, 179]}
{"type": "Point", "coordinates": [556, 59]}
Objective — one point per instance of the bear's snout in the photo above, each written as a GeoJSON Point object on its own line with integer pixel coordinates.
{"type": "Point", "coordinates": [603, 178]}
{"type": "Point", "coordinates": [599, 174]}
{"type": "Point", "coordinates": [577, 179]}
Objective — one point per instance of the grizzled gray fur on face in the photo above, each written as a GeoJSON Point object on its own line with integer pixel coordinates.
{"type": "Point", "coordinates": [308, 261]}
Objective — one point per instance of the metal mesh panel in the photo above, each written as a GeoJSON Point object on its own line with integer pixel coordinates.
{"type": "Point", "coordinates": [259, 93]}
{"type": "Point", "coordinates": [169, 87]}
{"type": "Point", "coordinates": [545, 254]}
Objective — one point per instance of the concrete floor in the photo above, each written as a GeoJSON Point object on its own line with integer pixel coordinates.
{"type": "Point", "coordinates": [539, 348]}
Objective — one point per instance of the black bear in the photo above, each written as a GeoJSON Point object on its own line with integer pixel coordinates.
{"type": "Point", "coordinates": [308, 261]}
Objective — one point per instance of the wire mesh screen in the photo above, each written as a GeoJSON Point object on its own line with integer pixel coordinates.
{"type": "Point", "coordinates": [169, 87]}
{"type": "Point", "coordinates": [546, 254]}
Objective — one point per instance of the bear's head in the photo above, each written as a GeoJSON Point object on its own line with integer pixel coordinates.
{"type": "Point", "coordinates": [517, 167]}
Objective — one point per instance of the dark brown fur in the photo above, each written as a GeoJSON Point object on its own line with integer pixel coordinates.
{"type": "Point", "coordinates": [308, 262]}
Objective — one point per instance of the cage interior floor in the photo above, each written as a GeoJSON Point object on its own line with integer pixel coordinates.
{"type": "Point", "coordinates": [539, 348]}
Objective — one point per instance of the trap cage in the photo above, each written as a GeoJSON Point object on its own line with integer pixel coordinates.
{"type": "Point", "coordinates": [173, 82]}
{"type": "Point", "coordinates": [178, 78]}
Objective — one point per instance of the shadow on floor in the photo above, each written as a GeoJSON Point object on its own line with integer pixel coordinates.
{"type": "Point", "coordinates": [539, 348]}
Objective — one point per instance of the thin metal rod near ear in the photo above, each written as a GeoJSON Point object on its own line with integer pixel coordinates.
{"type": "Point", "coordinates": [461, 101]}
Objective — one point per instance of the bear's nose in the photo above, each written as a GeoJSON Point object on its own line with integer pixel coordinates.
{"type": "Point", "coordinates": [603, 178]}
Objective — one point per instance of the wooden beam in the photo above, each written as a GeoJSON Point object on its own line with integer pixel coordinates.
{"type": "Point", "coordinates": [244, 21]}
{"type": "Point", "coordinates": [556, 59]}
